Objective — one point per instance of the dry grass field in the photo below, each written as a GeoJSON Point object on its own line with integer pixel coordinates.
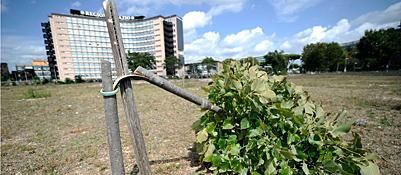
{"type": "Point", "coordinates": [65, 133]}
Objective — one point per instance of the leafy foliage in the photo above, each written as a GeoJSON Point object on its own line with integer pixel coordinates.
{"type": "Point", "coordinates": [250, 60]}
{"type": "Point", "coordinates": [380, 50]}
{"type": "Point", "coordinates": [209, 62]}
{"type": "Point", "coordinates": [78, 79]}
{"type": "Point", "coordinates": [228, 60]}
{"type": "Point", "coordinates": [270, 126]}
{"type": "Point", "coordinates": [171, 64]}
{"type": "Point", "coordinates": [323, 57]}
{"type": "Point", "coordinates": [278, 61]}
{"type": "Point", "coordinates": [144, 59]}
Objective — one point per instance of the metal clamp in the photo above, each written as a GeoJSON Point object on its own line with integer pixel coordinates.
{"type": "Point", "coordinates": [110, 93]}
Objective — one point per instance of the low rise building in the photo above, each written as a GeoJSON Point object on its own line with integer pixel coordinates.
{"type": "Point", "coordinates": [41, 69]}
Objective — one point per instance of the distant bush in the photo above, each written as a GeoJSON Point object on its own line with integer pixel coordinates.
{"type": "Point", "coordinates": [270, 126]}
{"type": "Point", "coordinates": [32, 93]}
{"type": "Point", "coordinates": [78, 79]}
{"type": "Point", "coordinates": [45, 81]}
{"type": "Point", "coordinates": [68, 81]}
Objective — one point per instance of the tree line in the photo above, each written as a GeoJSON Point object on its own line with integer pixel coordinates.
{"type": "Point", "coordinates": [376, 50]}
{"type": "Point", "coordinates": [148, 61]}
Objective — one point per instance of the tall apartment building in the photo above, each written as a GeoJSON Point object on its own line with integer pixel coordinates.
{"type": "Point", "coordinates": [77, 42]}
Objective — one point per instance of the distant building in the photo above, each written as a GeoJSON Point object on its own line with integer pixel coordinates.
{"type": "Point", "coordinates": [77, 42]}
{"type": "Point", "coordinates": [5, 74]}
{"type": "Point", "coordinates": [23, 73]}
{"type": "Point", "coordinates": [41, 69]}
{"type": "Point", "coordinates": [199, 70]}
{"type": "Point", "coordinates": [349, 45]}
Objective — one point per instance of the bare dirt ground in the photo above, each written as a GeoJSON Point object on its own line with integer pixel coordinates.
{"type": "Point", "coordinates": [65, 133]}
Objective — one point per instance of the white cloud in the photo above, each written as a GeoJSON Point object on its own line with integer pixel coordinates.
{"type": "Point", "coordinates": [248, 42]}
{"type": "Point", "coordinates": [344, 30]}
{"type": "Point", "coordinates": [21, 50]}
{"type": "Point", "coordinates": [285, 45]}
{"type": "Point", "coordinates": [243, 36]}
{"type": "Point", "coordinates": [286, 10]}
{"type": "Point", "coordinates": [220, 6]}
{"type": "Point", "coordinates": [254, 42]}
{"type": "Point", "coordinates": [216, 6]}
{"type": "Point", "coordinates": [196, 19]}
{"type": "Point", "coordinates": [263, 46]}
{"type": "Point", "coordinates": [390, 14]}
{"type": "Point", "coordinates": [76, 4]}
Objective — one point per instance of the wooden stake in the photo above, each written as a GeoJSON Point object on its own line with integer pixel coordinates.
{"type": "Point", "coordinates": [113, 129]}
{"type": "Point", "coordinates": [113, 26]}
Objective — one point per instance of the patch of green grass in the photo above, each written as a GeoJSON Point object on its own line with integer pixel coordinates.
{"type": "Point", "coordinates": [34, 93]}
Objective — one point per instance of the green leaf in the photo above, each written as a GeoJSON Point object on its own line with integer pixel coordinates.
{"type": "Point", "coordinates": [343, 129]}
{"type": "Point", "coordinates": [372, 156]}
{"type": "Point", "coordinates": [285, 169]}
{"type": "Point", "coordinates": [315, 139]}
{"type": "Point", "coordinates": [237, 85]}
{"type": "Point", "coordinates": [370, 169]}
{"type": "Point", "coordinates": [221, 83]}
{"type": "Point", "coordinates": [234, 149]}
{"type": "Point", "coordinates": [244, 171]}
{"type": "Point", "coordinates": [268, 94]}
{"type": "Point", "coordinates": [309, 108]}
{"type": "Point", "coordinates": [287, 104]}
{"type": "Point", "coordinates": [340, 115]}
{"type": "Point", "coordinates": [209, 153]}
{"type": "Point", "coordinates": [305, 168]}
{"type": "Point", "coordinates": [255, 132]}
{"type": "Point", "coordinates": [270, 169]}
{"type": "Point", "coordinates": [201, 136]}
{"type": "Point", "coordinates": [228, 94]}
{"type": "Point", "coordinates": [319, 111]}
{"type": "Point", "coordinates": [298, 110]}
{"type": "Point", "coordinates": [244, 123]}
{"type": "Point", "coordinates": [227, 124]}
{"type": "Point", "coordinates": [278, 78]}
{"type": "Point", "coordinates": [331, 166]}
{"type": "Point", "coordinates": [196, 125]}
{"type": "Point", "coordinates": [257, 86]}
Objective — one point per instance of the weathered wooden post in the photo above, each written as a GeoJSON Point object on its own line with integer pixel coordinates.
{"type": "Point", "coordinates": [113, 129]}
{"type": "Point", "coordinates": [113, 26]}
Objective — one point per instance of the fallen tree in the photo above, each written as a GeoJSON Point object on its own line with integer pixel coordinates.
{"type": "Point", "coordinates": [271, 126]}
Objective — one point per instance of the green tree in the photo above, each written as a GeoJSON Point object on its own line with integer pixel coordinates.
{"type": "Point", "coordinates": [228, 61]}
{"type": "Point", "coordinates": [323, 57]}
{"type": "Point", "coordinates": [251, 60]}
{"type": "Point", "coordinates": [292, 56]}
{"type": "Point", "coordinates": [278, 61]}
{"type": "Point", "coordinates": [171, 64]}
{"type": "Point", "coordinates": [143, 59]}
{"type": "Point", "coordinates": [334, 56]}
{"type": "Point", "coordinates": [380, 50]}
{"type": "Point", "coordinates": [209, 62]}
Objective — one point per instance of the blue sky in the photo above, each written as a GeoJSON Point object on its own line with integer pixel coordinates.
{"type": "Point", "coordinates": [217, 28]}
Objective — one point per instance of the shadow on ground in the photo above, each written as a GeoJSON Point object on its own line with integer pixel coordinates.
{"type": "Point", "coordinates": [192, 157]}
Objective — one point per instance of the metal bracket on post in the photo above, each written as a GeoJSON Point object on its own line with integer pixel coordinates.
{"type": "Point", "coordinates": [113, 26]}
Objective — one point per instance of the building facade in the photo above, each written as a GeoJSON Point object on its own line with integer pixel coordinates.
{"type": "Point", "coordinates": [77, 42]}
{"type": "Point", "coordinates": [23, 72]}
{"type": "Point", "coordinates": [41, 69]}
